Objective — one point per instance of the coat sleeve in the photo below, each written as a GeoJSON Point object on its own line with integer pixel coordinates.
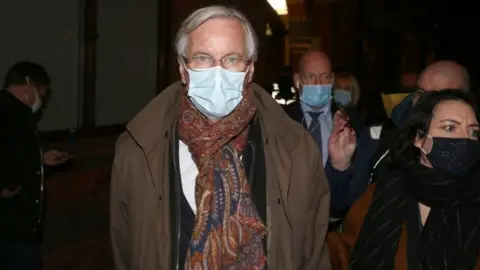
{"type": "Point", "coordinates": [349, 185]}
{"type": "Point", "coordinates": [316, 251]}
{"type": "Point", "coordinates": [119, 219]}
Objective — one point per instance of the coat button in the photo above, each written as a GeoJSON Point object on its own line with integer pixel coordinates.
{"type": "Point", "coordinates": [37, 201]}
{"type": "Point", "coordinates": [166, 134]}
{"type": "Point", "coordinates": [160, 197]}
{"type": "Point", "coordinates": [38, 172]}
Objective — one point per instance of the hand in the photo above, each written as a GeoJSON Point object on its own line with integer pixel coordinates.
{"type": "Point", "coordinates": [55, 157]}
{"type": "Point", "coordinates": [342, 142]}
{"type": "Point", "coordinates": [7, 193]}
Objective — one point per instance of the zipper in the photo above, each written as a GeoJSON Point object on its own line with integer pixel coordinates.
{"type": "Point", "coordinates": [42, 187]}
{"type": "Point", "coordinates": [177, 200]}
{"type": "Point", "coordinates": [251, 174]}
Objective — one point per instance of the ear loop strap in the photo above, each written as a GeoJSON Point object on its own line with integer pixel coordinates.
{"type": "Point", "coordinates": [425, 136]}
{"type": "Point", "coordinates": [27, 80]}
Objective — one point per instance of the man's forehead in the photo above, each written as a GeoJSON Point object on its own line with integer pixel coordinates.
{"type": "Point", "coordinates": [218, 37]}
{"type": "Point", "coordinates": [316, 66]}
{"type": "Point", "coordinates": [433, 82]}
{"type": "Point", "coordinates": [315, 62]}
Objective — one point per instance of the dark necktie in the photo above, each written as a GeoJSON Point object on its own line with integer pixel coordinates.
{"type": "Point", "coordinates": [315, 129]}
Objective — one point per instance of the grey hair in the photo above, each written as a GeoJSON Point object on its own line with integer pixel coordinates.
{"type": "Point", "coordinates": [202, 15]}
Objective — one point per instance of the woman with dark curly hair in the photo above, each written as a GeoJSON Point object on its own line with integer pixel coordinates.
{"type": "Point", "coordinates": [425, 208]}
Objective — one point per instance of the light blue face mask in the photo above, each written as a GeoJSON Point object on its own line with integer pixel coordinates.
{"type": "Point", "coordinates": [215, 91]}
{"type": "Point", "coordinates": [317, 95]}
{"type": "Point", "coordinates": [342, 96]}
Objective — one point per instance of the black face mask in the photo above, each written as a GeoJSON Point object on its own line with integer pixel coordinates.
{"type": "Point", "coordinates": [455, 156]}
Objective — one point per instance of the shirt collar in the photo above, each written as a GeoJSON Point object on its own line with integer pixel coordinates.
{"type": "Point", "coordinates": [324, 110]}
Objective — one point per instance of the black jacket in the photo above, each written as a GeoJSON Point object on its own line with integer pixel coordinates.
{"type": "Point", "coordinates": [20, 165]}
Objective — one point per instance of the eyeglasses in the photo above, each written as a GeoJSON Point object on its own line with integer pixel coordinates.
{"type": "Point", "coordinates": [231, 62]}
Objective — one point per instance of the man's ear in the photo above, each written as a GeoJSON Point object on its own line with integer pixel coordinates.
{"type": "Point", "coordinates": [251, 70]}
{"type": "Point", "coordinates": [183, 72]}
{"type": "Point", "coordinates": [296, 81]}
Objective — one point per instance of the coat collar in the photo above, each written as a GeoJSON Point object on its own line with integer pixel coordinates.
{"type": "Point", "coordinates": [280, 134]}
{"type": "Point", "coordinates": [156, 120]}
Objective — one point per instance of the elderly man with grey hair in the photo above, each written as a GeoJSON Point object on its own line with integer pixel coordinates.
{"type": "Point", "coordinates": [213, 174]}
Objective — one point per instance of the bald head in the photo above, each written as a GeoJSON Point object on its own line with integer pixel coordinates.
{"type": "Point", "coordinates": [314, 68]}
{"type": "Point", "coordinates": [444, 75]}
{"type": "Point", "coordinates": [315, 60]}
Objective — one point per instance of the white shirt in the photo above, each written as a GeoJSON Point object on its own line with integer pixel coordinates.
{"type": "Point", "coordinates": [326, 125]}
{"type": "Point", "coordinates": [188, 174]}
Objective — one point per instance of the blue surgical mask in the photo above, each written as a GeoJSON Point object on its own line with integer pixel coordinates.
{"type": "Point", "coordinates": [215, 91]}
{"type": "Point", "coordinates": [317, 95]}
{"type": "Point", "coordinates": [342, 96]}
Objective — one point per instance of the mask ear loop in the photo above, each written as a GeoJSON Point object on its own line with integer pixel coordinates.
{"type": "Point", "coordinates": [424, 136]}
{"type": "Point", "coordinates": [27, 80]}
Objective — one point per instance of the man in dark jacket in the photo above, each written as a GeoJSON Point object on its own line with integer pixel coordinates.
{"type": "Point", "coordinates": [21, 167]}
{"type": "Point", "coordinates": [315, 109]}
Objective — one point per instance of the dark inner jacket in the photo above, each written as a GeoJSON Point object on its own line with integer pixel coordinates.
{"type": "Point", "coordinates": [254, 163]}
{"type": "Point", "coordinates": [21, 166]}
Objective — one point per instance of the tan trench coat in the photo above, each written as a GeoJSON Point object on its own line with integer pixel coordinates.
{"type": "Point", "coordinates": [298, 194]}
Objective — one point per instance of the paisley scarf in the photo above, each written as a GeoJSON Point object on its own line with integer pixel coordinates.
{"type": "Point", "coordinates": [228, 231]}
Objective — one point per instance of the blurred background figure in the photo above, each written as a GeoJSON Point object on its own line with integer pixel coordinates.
{"type": "Point", "coordinates": [346, 89]}
{"type": "Point", "coordinates": [22, 167]}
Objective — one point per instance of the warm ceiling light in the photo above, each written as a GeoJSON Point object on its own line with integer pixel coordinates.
{"type": "Point", "coordinates": [280, 6]}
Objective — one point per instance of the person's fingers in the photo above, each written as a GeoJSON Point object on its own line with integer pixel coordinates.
{"type": "Point", "coordinates": [337, 133]}
{"type": "Point", "coordinates": [16, 190]}
{"type": "Point", "coordinates": [339, 126]}
{"type": "Point", "coordinates": [341, 114]}
{"type": "Point", "coordinates": [343, 135]}
{"type": "Point", "coordinates": [6, 193]}
{"type": "Point", "coordinates": [337, 116]}
{"type": "Point", "coordinates": [352, 137]}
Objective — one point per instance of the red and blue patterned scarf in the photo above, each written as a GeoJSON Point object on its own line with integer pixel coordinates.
{"type": "Point", "coordinates": [228, 231]}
